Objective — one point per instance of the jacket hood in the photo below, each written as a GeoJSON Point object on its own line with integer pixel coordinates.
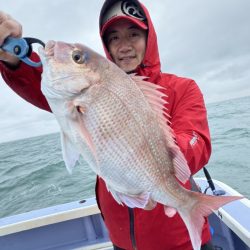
{"type": "Point", "coordinates": [150, 65]}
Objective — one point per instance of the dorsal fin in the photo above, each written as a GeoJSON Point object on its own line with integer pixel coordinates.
{"type": "Point", "coordinates": [155, 97]}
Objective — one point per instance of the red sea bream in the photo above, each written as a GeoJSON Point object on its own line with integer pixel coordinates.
{"type": "Point", "coordinates": [118, 123]}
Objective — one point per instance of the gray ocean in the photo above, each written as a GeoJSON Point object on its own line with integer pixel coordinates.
{"type": "Point", "coordinates": [33, 174]}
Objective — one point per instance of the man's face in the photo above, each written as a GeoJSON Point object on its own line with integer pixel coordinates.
{"type": "Point", "coordinates": [126, 43]}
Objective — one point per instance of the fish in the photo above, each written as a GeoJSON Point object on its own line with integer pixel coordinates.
{"type": "Point", "coordinates": [119, 124]}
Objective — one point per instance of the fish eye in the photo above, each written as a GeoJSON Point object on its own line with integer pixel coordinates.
{"type": "Point", "coordinates": [78, 57]}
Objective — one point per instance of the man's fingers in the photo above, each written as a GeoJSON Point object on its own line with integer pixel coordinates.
{"type": "Point", "coordinates": [8, 27]}
{"type": "Point", "coordinates": [3, 16]}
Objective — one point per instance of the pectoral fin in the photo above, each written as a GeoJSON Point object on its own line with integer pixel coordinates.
{"type": "Point", "coordinates": [80, 127]}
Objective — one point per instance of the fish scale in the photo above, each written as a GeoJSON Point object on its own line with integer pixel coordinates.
{"type": "Point", "coordinates": [142, 113]}
{"type": "Point", "coordinates": [115, 154]}
{"type": "Point", "coordinates": [127, 106]}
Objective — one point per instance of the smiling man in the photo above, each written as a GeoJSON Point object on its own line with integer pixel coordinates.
{"type": "Point", "coordinates": [130, 41]}
{"type": "Point", "coordinates": [126, 43]}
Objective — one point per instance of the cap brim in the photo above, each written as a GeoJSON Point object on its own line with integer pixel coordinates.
{"type": "Point", "coordinates": [138, 23]}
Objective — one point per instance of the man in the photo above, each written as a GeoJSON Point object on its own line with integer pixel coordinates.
{"type": "Point", "coordinates": [130, 41]}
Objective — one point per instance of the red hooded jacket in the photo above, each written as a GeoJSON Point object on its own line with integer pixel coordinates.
{"type": "Point", "coordinates": [147, 230]}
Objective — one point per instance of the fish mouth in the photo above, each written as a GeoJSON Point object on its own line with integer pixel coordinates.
{"type": "Point", "coordinates": [59, 51]}
{"type": "Point", "coordinates": [52, 47]}
{"type": "Point", "coordinates": [49, 48]}
{"type": "Point", "coordinates": [65, 77]}
{"type": "Point", "coordinates": [47, 52]}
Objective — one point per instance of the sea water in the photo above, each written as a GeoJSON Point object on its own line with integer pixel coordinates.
{"type": "Point", "coordinates": [33, 174]}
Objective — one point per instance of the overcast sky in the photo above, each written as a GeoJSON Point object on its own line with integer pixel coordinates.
{"type": "Point", "coordinates": [208, 41]}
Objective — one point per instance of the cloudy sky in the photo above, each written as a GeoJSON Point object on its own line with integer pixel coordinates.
{"type": "Point", "coordinates": [208, 41]}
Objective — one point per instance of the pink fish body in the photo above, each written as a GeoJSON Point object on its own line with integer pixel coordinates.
{"type": "Point", "coordinates": [118, 123]}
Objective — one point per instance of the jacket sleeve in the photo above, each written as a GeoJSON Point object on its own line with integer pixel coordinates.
{"type": "Point", "coordinates": [190, 125]}
{"type": "Point", "coordinates": [26, 82]}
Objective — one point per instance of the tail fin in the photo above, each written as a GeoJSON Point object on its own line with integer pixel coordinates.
{"type": "Point", "coordinates": [194, 217]}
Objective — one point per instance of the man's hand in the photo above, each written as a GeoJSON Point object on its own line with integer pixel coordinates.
{"type": "Point", "coordinates": [8, 27]}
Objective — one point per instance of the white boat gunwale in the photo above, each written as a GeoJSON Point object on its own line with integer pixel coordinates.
{"type": "Point", "coordinates": [239, 227]}
{"type": "Point", "coordinates": [33, 220]}
{"type": "Point", "coordinates": [47, 216]}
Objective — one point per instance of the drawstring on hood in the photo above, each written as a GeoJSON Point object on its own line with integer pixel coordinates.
{"type": "Point", "coordinates": [150, 66]}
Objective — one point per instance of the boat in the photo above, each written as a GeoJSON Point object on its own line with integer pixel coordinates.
{"type": "Point", "coordinates": [79, 225]}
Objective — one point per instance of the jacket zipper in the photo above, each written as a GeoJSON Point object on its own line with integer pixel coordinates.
{"type": "Point", "coordinates": [132, 227]}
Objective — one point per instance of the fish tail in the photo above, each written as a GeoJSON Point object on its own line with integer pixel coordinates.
{"type": "Point", "coordinates": [194, 217]}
